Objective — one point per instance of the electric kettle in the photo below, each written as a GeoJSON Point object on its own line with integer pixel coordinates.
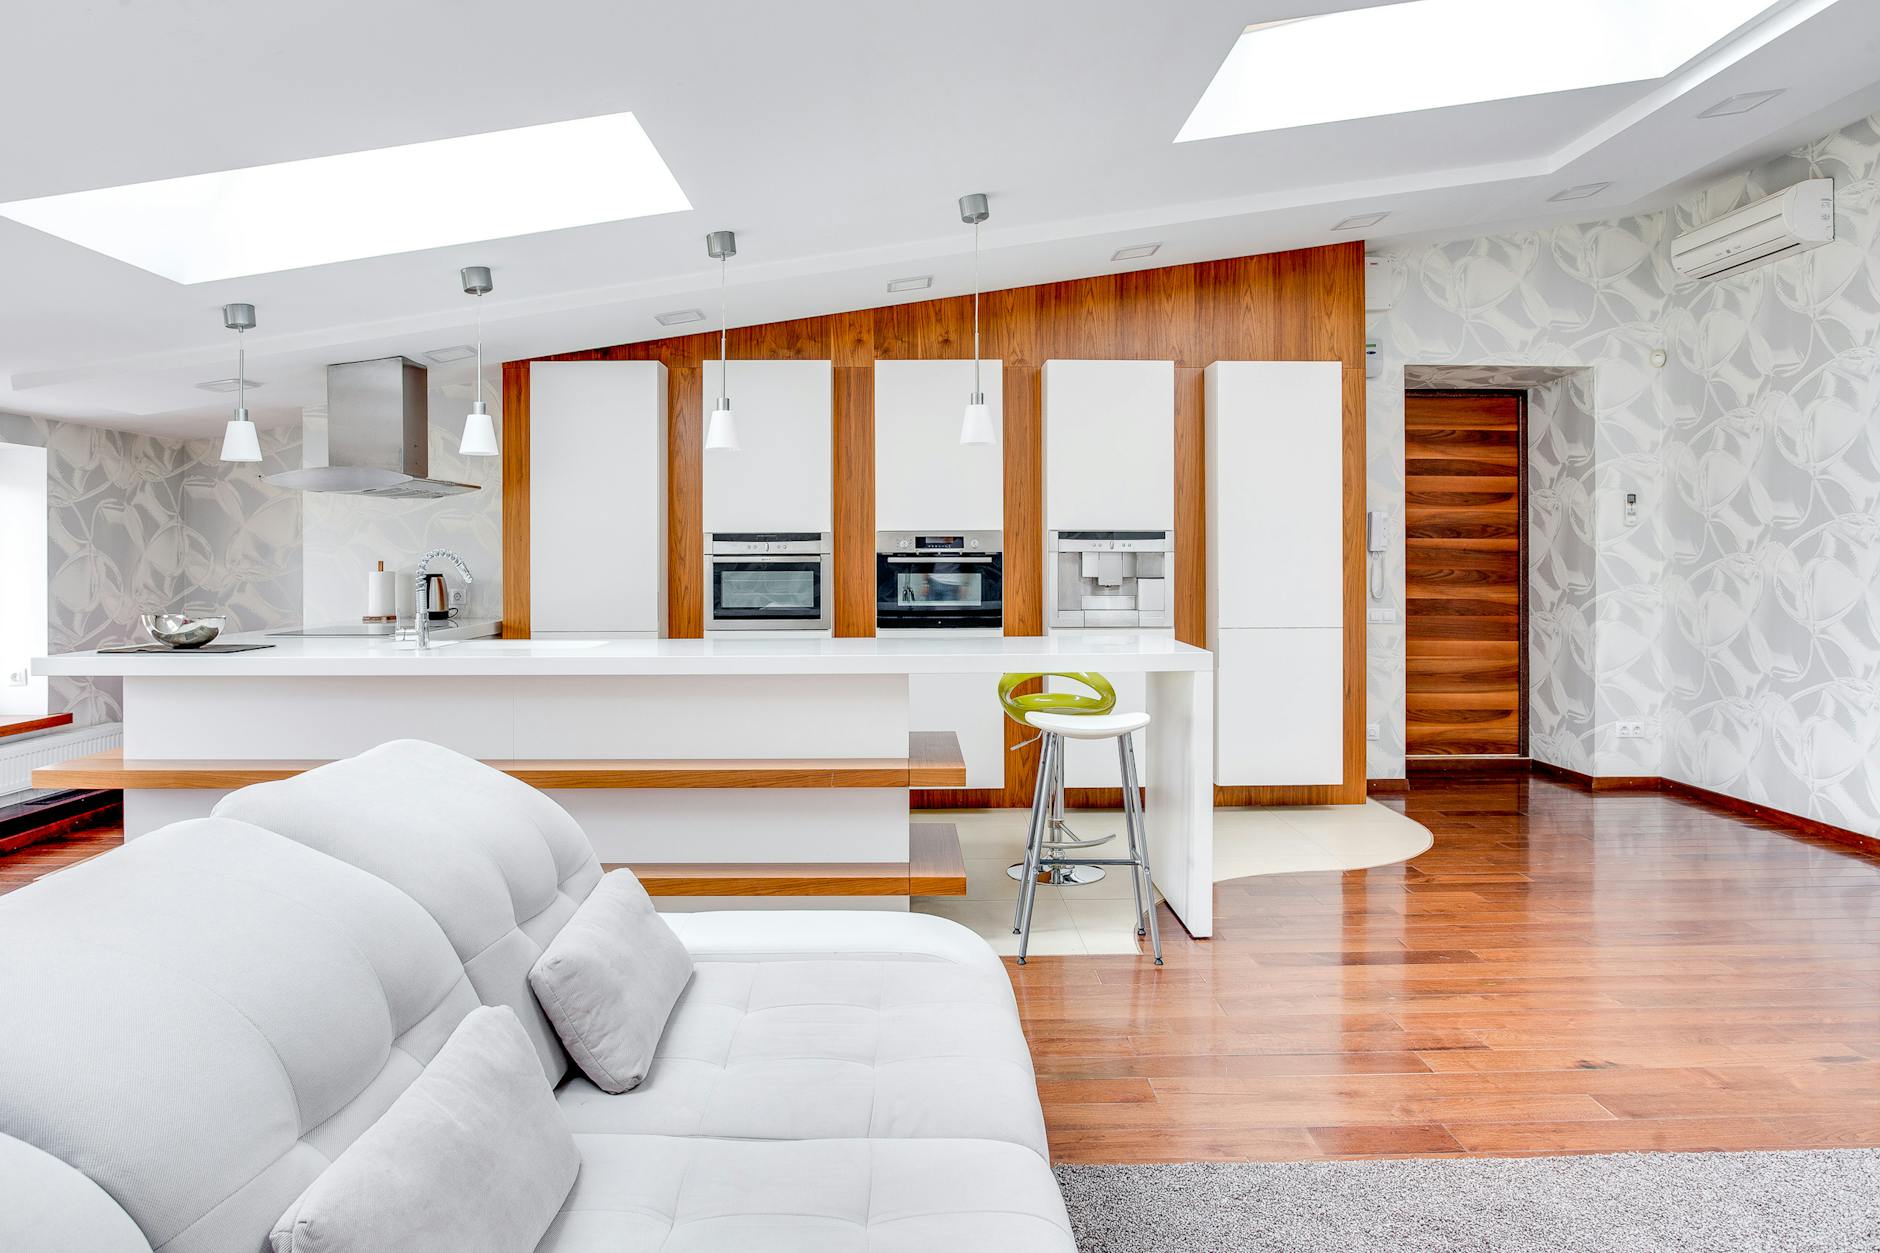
{"type": "Point", "coordinates": [437, 598]}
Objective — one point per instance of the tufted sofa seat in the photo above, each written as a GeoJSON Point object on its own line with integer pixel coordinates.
{"type": "Point", "coordinates": [198, 1023]}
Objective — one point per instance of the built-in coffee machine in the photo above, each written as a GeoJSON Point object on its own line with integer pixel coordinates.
{"type": "Point", "coordinates": [1111, 579]}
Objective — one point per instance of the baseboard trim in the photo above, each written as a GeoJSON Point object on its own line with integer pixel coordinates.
{"type": "Point", "coordinates": [1461, 764]}
{"type": "Point", "coordinates": [1704, 796]}
{"type": "Point", "coordinates": [1385, 787]}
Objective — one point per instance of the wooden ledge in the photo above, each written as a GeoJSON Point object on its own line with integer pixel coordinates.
{"type": "Point", "coordinates": [934, 759]}
{"type": "Point", "coordinates": [934, 868]}
{"type": "Point", "coordinates": [26, 726]}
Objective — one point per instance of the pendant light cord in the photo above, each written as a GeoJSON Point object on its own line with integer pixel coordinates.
{"type": "Point", "coordinates": [977, 389]}
{"type": "Point", "coordinates": [476, 390]}
{"type": "Point", "coordinates": [241, 372]}
{"type": "Point", "coordinates": [724, 332]}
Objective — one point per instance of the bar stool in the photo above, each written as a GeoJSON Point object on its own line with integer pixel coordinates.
{"type": "Point", "coordinates": [1041, 853]}
{"type": "Point", "coordinates": [1058, 833]}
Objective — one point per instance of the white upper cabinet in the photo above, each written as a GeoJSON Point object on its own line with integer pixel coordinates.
{"type": "Point", "coordinates": [1109, 445]}
{"type": "Point", "coordinates": [1275, 467]}
{"type": "Point", "coordinates": [925, 479]}
{"type": "Point", "coordinates": [782, 476]}
{"type": "Point", "coordinates": [597, 499]}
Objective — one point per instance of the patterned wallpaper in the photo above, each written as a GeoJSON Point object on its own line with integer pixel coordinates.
{"type": "Point", "coordinates": [1737, 616]}
{"type": "Point", "coordinates": [137, 525]}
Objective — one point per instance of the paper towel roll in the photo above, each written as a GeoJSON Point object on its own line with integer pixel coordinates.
{"type": "Point", "coordinates": [381, 594]}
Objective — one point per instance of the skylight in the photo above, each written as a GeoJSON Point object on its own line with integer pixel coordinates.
{"type": "Point", "coordinates": [1430, 54]}
{"type": "Point", "coordinates": [265, 218]}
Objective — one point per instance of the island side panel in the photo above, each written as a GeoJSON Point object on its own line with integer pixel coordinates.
{"type": "Point", "coordinates": [1180, 785]}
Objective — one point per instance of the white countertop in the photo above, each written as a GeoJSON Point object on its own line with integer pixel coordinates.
{"type": "Point", "coordinates": [325, 656]}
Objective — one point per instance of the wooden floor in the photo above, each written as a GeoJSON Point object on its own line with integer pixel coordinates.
{"type": "Point", "coordinates": [1560, 973]}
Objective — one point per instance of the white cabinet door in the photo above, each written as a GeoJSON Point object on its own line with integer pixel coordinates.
{"type": "Point", "coordinates": [1093, 763]}
{"type": "Point", "coordinates": [1279, 706]}
{"type": "Point", "coordinates": [1109, 445]}
{"type": "Point", "coordinates": [782, 476]}
{"type": "Point", "coordinates": [1275, 493]}
{"type": "Point", "coordinates": [925, 479]}
{"type": "Point", "coordinates": [967, 705]}
{"type": "Point", "coordinates": [597, 504]}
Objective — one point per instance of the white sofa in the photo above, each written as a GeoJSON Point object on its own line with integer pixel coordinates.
{"type": "Point", "coordinates": [198, 1023]}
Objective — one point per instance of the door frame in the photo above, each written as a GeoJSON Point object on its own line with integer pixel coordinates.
{"type": "Point", "coordinates": [1522, 678]}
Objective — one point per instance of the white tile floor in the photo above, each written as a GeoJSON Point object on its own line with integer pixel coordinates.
{"type": "Point", "coordinates": [1100, 917]}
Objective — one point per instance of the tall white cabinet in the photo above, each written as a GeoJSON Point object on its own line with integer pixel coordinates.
{"type": "Point", "coordinates": [597, 518]}
{"type": "Point", "coordinates": [1109, 465]}
{"type": "Point", "coordinates": [782, 477]}
{"type": "Point", "coordinates": [926, 480]}
{"type": "Point", "coordinates": [1275, 435]}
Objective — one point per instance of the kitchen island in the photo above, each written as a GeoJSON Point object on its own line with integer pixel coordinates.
{"type": "Point", "coordinates": [671, 753]}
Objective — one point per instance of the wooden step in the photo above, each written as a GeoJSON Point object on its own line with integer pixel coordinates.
{"type": "Point", "coordinates": [934, 868]}
{"type": "Point", "coordinates": [934, 760]}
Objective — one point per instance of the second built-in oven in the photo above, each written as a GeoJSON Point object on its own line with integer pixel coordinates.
{"type": "Point", "coordinates": [944, 580]}
{"type": "Point", "coordinates": [767, 581]}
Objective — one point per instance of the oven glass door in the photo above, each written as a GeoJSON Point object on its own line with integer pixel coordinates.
{"type": "Point", "coordinates": [767, 591]}
{"type": "Point", "coordinates": [938, 592]}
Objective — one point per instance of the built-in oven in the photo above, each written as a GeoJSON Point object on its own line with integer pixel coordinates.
{"type": "Point", "coordinates": [767, 581]}
{"type": "Point", "coordinates": [931, 579]}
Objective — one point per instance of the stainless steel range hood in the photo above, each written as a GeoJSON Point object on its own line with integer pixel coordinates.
{"type": "Point", "coordinates": [376, 435]}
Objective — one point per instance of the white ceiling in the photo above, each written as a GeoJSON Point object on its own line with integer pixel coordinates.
{"type": "Point", "coordinates": [833, 135]}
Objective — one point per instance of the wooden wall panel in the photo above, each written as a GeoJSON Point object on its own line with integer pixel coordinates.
{"type": "Point", "coordinates": [1306, 305]}
{"type": "Point", "coordinates": [854, 538]}
{"type": "Point", "coordinates": [685, 502]}
{"type": "Point", "coordinates": [516, 499]}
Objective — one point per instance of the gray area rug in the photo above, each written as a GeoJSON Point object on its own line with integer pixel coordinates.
{"type": "Point", "coordinates": [1797, 1202]}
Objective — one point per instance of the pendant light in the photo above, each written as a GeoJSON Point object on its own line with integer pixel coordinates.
{"type": "Point", "coordinates": [479, 429]}
{"type": "Point", "coordinates": [721, 431]}
{"type": "Point", "coordinates": [976, 423]}
{"type": "Point", "coordinates": [240, 442]}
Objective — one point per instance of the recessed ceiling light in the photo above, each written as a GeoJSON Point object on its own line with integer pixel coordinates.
{"type": "Point", "coordinates": [1730, 106]}
{"type": "Point", "coordinates": [323, 210]}
{"type": "Point", "coordinates": [1135, 252]}
{"type": "Point", "coordinates": [1360, 221]}
{"type": "Point", "coordinates": [228, 384]}
{"type": "Point", "coordinates": [1375, 61]}
{"type": "Point", "coordinates": [918, 282]}
{"type": "Point", "coordinates": [1583, 191]}
{"type": "Point", "coordinates": [679, 317]}
{"type": "Point", "coordinates": [456, 352]}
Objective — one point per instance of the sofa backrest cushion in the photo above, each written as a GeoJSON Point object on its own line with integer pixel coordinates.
{"type": "Point", "coordinates": [201, 1020]}
{"type": "Point", "coordinates": [499, 865]}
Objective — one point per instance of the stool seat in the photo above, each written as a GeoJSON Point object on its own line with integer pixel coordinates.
{"type": "Point", "coordinates": [1088, 726]}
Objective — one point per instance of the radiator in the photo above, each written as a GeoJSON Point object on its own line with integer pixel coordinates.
{"type": "Point", "coordinates": [20, 756]}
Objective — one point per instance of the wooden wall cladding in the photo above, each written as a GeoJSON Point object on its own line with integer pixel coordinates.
{"type": "Point", "coordinates": [1304, 305]}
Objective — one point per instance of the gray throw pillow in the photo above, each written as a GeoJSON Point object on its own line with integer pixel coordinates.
{"type": "Point", "coordinates": [474, 1154]}
{"type": "Point", "coordinates": [609, 980]}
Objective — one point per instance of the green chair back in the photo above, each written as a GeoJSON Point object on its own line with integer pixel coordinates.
{"type": "Point", "coordinates": [1017, 706]}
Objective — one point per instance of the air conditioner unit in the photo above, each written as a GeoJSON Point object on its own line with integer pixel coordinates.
{"type": "Point", "coordinates": [1781, 225]}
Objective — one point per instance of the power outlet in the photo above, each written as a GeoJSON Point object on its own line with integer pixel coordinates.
{"type": "Point", "coordinates": [1629, 730]}
{"type": "Point", "coordinates": [1381, 615]}
{"type": "Point", "coordinates": [1370, 730]}
{"type": "Point", "coordinates": [456, 597]}
{"type": "Point", "coordinates": [18, 678]}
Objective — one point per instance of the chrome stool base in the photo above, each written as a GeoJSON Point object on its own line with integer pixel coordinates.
{"type": "Point", "coordinates": [1058, 877]}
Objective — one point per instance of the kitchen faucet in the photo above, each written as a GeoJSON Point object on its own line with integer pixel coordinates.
{"type": "Point", "coordinates": [421, 617]}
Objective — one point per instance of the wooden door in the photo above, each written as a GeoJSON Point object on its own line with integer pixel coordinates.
{"type": "Point", "coordinates": [1466, 560]}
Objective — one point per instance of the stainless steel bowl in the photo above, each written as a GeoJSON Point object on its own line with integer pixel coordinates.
{"type": "Point", "coordinates": [179, 631]}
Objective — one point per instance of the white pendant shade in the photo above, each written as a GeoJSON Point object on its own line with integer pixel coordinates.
{"type": "Point", "coordinates": [479, 433]}
{"type": "Point", "coordinates": [240, 441]}
{"type": "Point", "coordinates": [721, 430]}
{"type": "Point", "coordinates": [976, 425]}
